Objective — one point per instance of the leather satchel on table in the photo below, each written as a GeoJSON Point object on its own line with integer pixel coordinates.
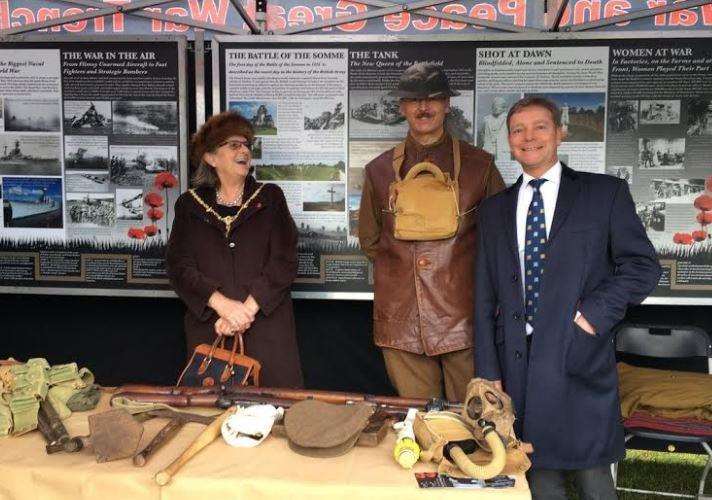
{"type": "Point", "coordinates": [214, 365]}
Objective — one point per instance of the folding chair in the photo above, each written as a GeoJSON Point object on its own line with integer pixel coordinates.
{"type": "Point", "coordinates": [681, 348]}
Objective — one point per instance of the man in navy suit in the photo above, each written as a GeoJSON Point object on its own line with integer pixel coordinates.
{"type": "Point", "coordinates": [562, 254]}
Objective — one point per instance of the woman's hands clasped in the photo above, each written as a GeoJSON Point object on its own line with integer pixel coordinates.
{"type": "Point", "coordinates": [235, 316]}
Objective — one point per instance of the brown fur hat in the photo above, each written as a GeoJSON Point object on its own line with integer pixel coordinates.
{"type": "Point", "coordinates": [215, 131]}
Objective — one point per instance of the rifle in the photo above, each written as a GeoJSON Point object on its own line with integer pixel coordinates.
{"type": "Point", "coordinates": [225, 397]}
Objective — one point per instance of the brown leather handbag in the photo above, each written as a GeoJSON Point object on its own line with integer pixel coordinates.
{"type": "Point", "coordinates": [214, 365]}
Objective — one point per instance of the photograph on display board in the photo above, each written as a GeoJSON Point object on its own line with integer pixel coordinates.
{"type": "Point", "coordinates": [33, 202]}
{"type": "Point", "coordinates": [130, 164]}
{"type": "Point", "coordinates": [458, 122]}
{"type": "Point", "coordinates": [324, 197]}
{"type": "Point", "coordinates": [306, 171]}
{"type": "Point", "coordinates": [677, 218]}
{"type": "Point", "coordinates": [661, 153]}
{"type": "Point", "coordinates": [145, 117]}
{"type": "Point", "coordinates": [86, 152]}
{"type": "Point", "coordinates": [90, 210]}
{"type": "Point", "coordinates": [492, 134]}
{"type": "Point", "coordinates": [369, 108]}
{"type": "Point", "coordinates": [24, 154]}
{"type": "Point", "coordinates": [331, 118]}
{"type": "Point", "coordinates": [622, 116]}
{"type": "Point", "coordinates": [622, 172]}
{"type": "Point", "coordinates": [262, 115]}
{"type": "Point", "coordinates": [699, 116]}
{"type": "Point", "coordinates": [660, 112]}
{"type": "Point", "coordinates": [257, 148]}
{"type": "Point", "coordinates": [88, 181]}
{"type": "Point", "coordinates": [87, 117]}
{"type": "Point", "coordinates": [129, 204]}
{"type": "Point", "coordinates": [319, 231]}
{"type": "Point", "coordinates": [582, 114]}
{"type": "Point", "coordinates": [354, 205]}
{"type": "Point", "coordinates": [31, 115]}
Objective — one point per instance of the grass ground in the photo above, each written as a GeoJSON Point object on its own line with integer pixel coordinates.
{"type": "Point", "coordinates": [672, 472]}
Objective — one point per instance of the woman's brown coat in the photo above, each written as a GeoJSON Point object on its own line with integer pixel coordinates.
{"type": "Point", "coordinates": [257, 257]}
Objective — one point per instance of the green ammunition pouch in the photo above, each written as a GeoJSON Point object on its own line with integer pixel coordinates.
{"type": "Point", "coordinates": [24, 385]}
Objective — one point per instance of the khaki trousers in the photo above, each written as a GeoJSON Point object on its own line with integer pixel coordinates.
{"type": "Point", "coordinates": [422, 376]}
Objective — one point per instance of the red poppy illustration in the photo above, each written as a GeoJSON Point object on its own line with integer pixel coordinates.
{"type": "Point", "coordinates": [150, 230]}
{"type": "Point", "coordinates": [682, 238]}
{"type": "Point", "coordinates": [704, 218]}
{"type": "Point", "coordinates": [165, 180]}
{"type": "Point", "coordinates": [699, 235]}
{"type": "Point", "coordinates": [154, 214]}
{"type": "Point", "coordinates": [137, 233]}
{"type": "Point", "coordinates": [703, 202]}
{"type": "Point", "coordinates": [154, 199]}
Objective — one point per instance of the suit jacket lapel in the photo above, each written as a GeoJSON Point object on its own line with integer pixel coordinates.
{"type": "Point", "coordinates": [510, 217]}
{"type": "Point", "coordinates": [568, 192]}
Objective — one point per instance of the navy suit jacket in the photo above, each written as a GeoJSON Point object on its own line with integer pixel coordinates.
{"type": "Point", "coordinates": [598, 261]}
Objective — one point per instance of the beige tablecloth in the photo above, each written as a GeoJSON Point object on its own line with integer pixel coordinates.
{"type": "Point", "coordinates": [271, 470]}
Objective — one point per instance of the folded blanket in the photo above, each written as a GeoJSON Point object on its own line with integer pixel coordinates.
{"type": "Point", "coordinates": [663, 393]}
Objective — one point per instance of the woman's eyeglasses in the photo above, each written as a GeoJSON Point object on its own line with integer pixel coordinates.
{"type": "Point", "coordinates": [236, 144]}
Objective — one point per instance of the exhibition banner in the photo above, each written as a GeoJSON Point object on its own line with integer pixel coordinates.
{"type": "Point", "coordinates": [281, 14]}
{"type": "Point", "coordinates": [637, 108]}
{"type": "Point", "coordinates": [92, 144]}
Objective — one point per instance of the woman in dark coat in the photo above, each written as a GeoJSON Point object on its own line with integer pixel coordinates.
{"type": "Point", "coordinates": [232, 252]}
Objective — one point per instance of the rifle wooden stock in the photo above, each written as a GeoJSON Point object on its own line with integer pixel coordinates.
{"type": "Point", "coordinates": [209, 397]}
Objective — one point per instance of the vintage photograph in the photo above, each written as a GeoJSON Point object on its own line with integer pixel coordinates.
{"type": "Point", "coordinates": [622, 116]}
{"type": "Point", "coordinates": [699, 116]}
{"type": "Point", "coordinates": [90, 209]}
{"type": "Point", "coordinates": [321, 231]}
{"type": "Point", "coordinates": [257, 148]}
{"type": "Point", "coordinates": [659, 112]}
{"type": "Point", "coordinates": [32, 202]}
{"type": "Point", "coordinates": [129, 204]}
{"type": "Point", "coordinates": [331, 118]}
{"type": "Point", "coordinates": [375, 107]}
{"type": "Point", "coordinates": [664, 189]}
{"type": "Point", "coordinates": [652, 215]}
{"type": "Point", "coordinates": [492, 131]}
{"type": "Point", "coordinates": [624, 172]}
{"type": "Point", "coordinates": [582, 114]}
{"type": "Point", "coordinates": [262, 115]}
{"type": "Point", "coordinates": [30, 155]}
{"type": "Point", "coordinates": [87, 117]}
{"type": "Point", "coordinates": [145, 117]}
{"type": "Point", "coordinates": [129, 164]}
{"type": "Point", "coordinates": [88, 181]}
{"type": "Point", "coordinates": [458, 122]}
{"type": "Point", "coordinates": [323, 197]}
{"type": "Point", "coordinates": [315, 171]}
{"type": "Point", "coordinates": [661, 153]}
{"type": "Point", "coordinates": [31, 115]}
{"type": "Point", "coordinates": [86, 152]}
{"type": "Point", "coordinates": [354, 204]}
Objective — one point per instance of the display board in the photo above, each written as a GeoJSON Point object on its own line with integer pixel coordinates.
{"type": "Point", "coordinates": [92, 159]}
{"type": "Point", "coordinates": [636, 106]}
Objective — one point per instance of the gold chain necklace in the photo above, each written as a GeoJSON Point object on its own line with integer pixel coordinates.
{"type": "Point", "coordinates": [227, 219]}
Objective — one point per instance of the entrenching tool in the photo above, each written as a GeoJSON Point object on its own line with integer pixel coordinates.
{"type": "Point", "coordinates": [176, 422]}
{"type": "Point", "coordinates": [113, 434]}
